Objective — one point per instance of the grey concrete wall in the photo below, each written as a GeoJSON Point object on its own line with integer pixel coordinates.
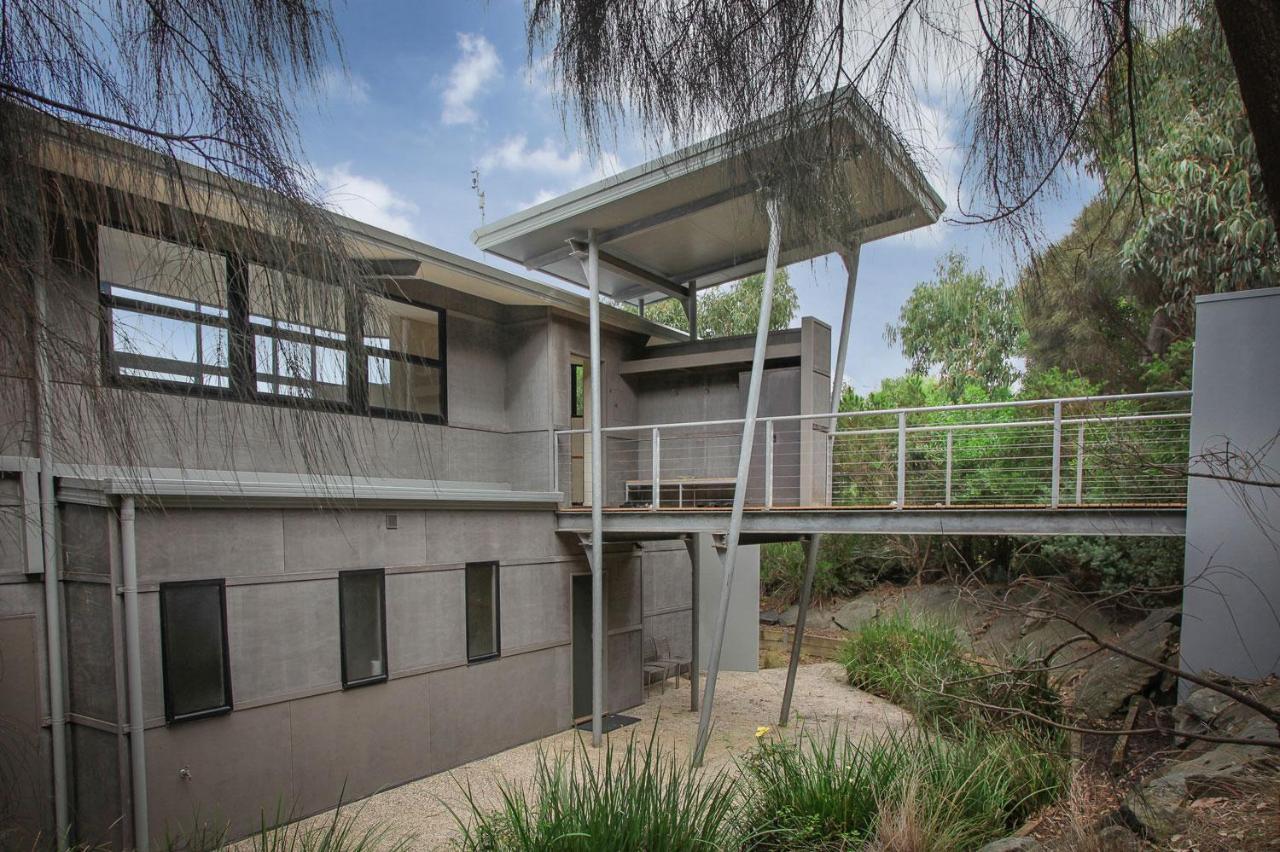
{"type": "Point", "coordinates": [1231, 604]}
{"type": "Point", "coordinates": [741, 650]}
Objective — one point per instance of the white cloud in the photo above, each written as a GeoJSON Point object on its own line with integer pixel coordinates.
{"type": "Point", "coordinates": [367, 199]}
{"type": "Point", "coordinates": [476, 68]}
{"type": "Point", "coordinates": [515, 155]}
{"type": "Point", "coordinates": [337, 84]}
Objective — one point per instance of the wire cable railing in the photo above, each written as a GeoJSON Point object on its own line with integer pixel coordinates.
{"type": "Point", "coordinates": [1117, 450]}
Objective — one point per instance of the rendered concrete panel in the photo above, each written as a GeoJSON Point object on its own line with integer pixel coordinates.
{"type": "Point", "coordinates": [333, 540]}
{"type": "Point", "coordinates": [624, 591]}
{"type": "Point", "coordinates": [674, 627]}
{"type": "Point", "coordinates": [13, 544]}
{"type": "Point", "coordinates": [741, 651]}
{"type": "Point", "coordinates": [535, 604]}
{"type": "Point", "coordinates": [624, 672]}
{"type": "Point", "coordinates": [668, 579]}
{"type": "Point", "coordinates": [99, 803]}
{"type": "Point", "coordinates": [477, 372]}
{"type": "Point", "coordinates": [86, 538]}
{"type": "Point", "coordinates": [238, 767]}
{"type": "Point", "coordinates": [477, 536]}
{"type": "Point", "coordinates": [201, 544]}
{"type": "Point", "coordinates": [485, 708]}
{"type": "Point", "coordinates": [358, 741]}
{"type": "Point", "coordinates": [24, 759]}
{"type": "Point", "coordinates": [90, 650]}
{"type": "Point", "coordinates": [528, 389]}
{"type": "Point", "coordinates": [426, 621]}
{"type": "Point", "coordinates": [149, 642]}
{"type": "Point", "coordinates": [1232, 593]}
{"type": "Point", "coordinates": [284, 638]}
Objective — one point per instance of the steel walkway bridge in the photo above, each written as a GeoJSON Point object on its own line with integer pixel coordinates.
{"type": "Point", "coordinates": [1104, 465]}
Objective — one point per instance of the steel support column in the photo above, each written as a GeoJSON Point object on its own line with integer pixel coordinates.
{"type": "Point", "coordinates": [597, 498]}
{"type": "Point", "coordinates": [693, 543]}
{"type": "Point", "coordinates": [850, 257]}
{"type": "Point", "coordinates": [740, 484]}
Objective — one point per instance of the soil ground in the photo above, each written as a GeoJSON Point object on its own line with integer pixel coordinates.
{"type": "Point", "coordinates": [745, 701]}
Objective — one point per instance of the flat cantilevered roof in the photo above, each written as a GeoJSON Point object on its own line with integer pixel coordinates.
{"type": "Point", "coordinates": [692, 216]}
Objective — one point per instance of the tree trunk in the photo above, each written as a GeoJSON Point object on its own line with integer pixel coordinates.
{"type": "Point", "coordinates": [1252, 28]}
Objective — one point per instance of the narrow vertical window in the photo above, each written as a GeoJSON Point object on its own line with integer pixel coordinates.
{"type": "Point", "coordinates": [362, 611]}
{"type": "Point", "coordinates": [193, 639]}
{"type": "Point", "coordinates": [483, 639]}
{"type": "Point", "coordinates": [577, 389]}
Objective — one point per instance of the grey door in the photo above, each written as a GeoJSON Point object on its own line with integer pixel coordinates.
{"type": "Point", "coordinates": [581, 647]}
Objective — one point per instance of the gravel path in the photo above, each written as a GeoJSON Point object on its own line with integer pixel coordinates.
{"type": "Point", "coordinates": [745, 701]}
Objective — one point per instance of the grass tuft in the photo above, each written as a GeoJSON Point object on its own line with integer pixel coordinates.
{"type": "Point", "coordinates": [636, 798]}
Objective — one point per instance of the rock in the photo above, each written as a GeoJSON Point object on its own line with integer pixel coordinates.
{"type": "Point", "coordinates": [1012, 844]}
{"type": "Point", "coordinates": [1116, 838]}
{"type": "Point", "coordinates": [856, 614]}
{"type": "Point", "coordinates": [1112, 679]}
{"type": "Point", "coordinates": [789, 615]}
{"type": "Point", "coordinates": [769, 616]}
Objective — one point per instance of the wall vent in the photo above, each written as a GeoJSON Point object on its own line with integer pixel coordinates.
{"type": "Point", "coordinates": [393, 521]}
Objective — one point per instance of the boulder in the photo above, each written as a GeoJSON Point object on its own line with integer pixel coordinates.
{"type": "Point", "coordinates": [787, 618]}
{"type": "Point", "coordinates": [1116, 838]}
{"type": "Point", "coordinates": [1112, 679]}
{"type": "Point", "coordinates": [1012, 844]}
{"type": "Point", "coordinates": [855, 614]}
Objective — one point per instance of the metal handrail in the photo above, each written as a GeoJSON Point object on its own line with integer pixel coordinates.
{"type": "Point", "coordinates": [645, 446]}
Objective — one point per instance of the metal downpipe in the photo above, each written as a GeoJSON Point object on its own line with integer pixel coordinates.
{"type": "Point", "coordinates": [850, 257]}
{"type": "Point", "coordinates": [49, 545]}
{"type": "Point", "coordinates": [740, 486]}
{"type": "Point", "coordinates": [133, 665]}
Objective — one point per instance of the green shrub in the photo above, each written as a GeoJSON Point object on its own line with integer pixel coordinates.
{"type": "Point", "coordinates": [922, 665]}
{"type": "Point", "coordinates": [944, 792]}
{"type": "Point", "coordinates": [639, 799]}
{"type": "Point", "coordinates": [339, 833]}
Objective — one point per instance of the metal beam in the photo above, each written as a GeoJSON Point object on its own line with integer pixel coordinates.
{"type": "Point", "coordinates": [634, 271]}
{"type": "Point", "coordinates": [1093, 520]}
{"type": "Point", "coordinates": [645, 223]}
{"type": "Point", "coordinates": [849, 256]}
{"type": "Point", "coordinates": [810, 567]}
{"type": "Point", "coordinates": [740, 484]}
{"type": "Point", "coordinates": [597, 499]}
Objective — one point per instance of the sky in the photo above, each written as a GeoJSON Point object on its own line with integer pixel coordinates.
{"type": "Point", "coordinates": [428, 91]}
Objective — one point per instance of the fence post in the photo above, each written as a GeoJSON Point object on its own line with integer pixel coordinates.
{"type": "Point", "coordinates": [950, 439]}
{"type": "Point", "coordinates": [655, 477]}
{"type": "Point", "coordinates": [902, 459]}
{"type": "Point", "coordinates": [831, 469]}
{"type": "Point", "coordinates": [768, 464]}
{"type": "Point", "coordinates": [1056, 475]}
{"type": "Point", "coordinates": [1080, 465]}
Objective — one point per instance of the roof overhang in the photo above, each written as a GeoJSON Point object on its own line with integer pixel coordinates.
{"type": "Point", "coordinates": [693, 217]}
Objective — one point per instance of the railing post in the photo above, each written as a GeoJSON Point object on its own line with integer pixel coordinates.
{"type": "Point", "coordinates": [902, 459]}
{"type": "Point", "coordinates": [950, 441]}
{"type": "Point", "coordinates": [655, 477]}
{"type": "Point", "coordinates": [1080, 465]}
{"type": "Point", "coordinates": [768, 464]}
{"type": "Point", "coordinates": [1056, 473]}
{"type": "Point", "coordinates": [831, 469]}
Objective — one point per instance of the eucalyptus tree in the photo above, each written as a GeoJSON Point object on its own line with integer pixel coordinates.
{"type": "Point", "coordinates": [734, 309]}
{"type": "Point", "coordinates": [1034, 72]}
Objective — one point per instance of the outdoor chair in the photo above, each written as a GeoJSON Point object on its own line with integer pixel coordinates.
{"type": "Point", "coordinates": [653, 667]}
{"type": "Point", "coordinates": [663, 655]}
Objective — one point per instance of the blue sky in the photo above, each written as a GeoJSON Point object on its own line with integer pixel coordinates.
{"type": "Point", "coordinates": [432, 90]}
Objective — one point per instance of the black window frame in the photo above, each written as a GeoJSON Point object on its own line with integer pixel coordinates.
{"type": "Point", "coordinates": [577, 404]}
{"type": "Point", "coordinates": [170, 716]}
{"type": "Point", "coordinates": [241, 370]}
{"type": "Point", "coordinates": [497, 610]}
{"type": "Point", "coordinates": [347, 683]}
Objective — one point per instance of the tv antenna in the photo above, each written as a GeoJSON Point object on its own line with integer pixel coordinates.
{"type": "Point", "coordinates": [475, 187]}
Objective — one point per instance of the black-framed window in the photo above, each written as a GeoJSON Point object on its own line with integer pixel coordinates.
{"type": "Point", "coordinates": [484, 638]}
{"type": "Point", "coordinates": [181, 319]}
{"type": "Point", "coordinates": [577, 390]}
{"type": "Point", "coordinates": [169, 310]}
{"type": "Point", "coordinates": [362, 608]}
{"type": "Point", "coordinates": [194, 653]}
{"type": "Point", "coordinates": [404, 346]}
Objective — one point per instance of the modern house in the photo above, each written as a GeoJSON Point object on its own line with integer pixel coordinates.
{"type": "Point", "coordinates": [264, 548]}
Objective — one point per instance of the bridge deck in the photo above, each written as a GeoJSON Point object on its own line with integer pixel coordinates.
{"type": "Point", "coordinates": [793, 522]}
